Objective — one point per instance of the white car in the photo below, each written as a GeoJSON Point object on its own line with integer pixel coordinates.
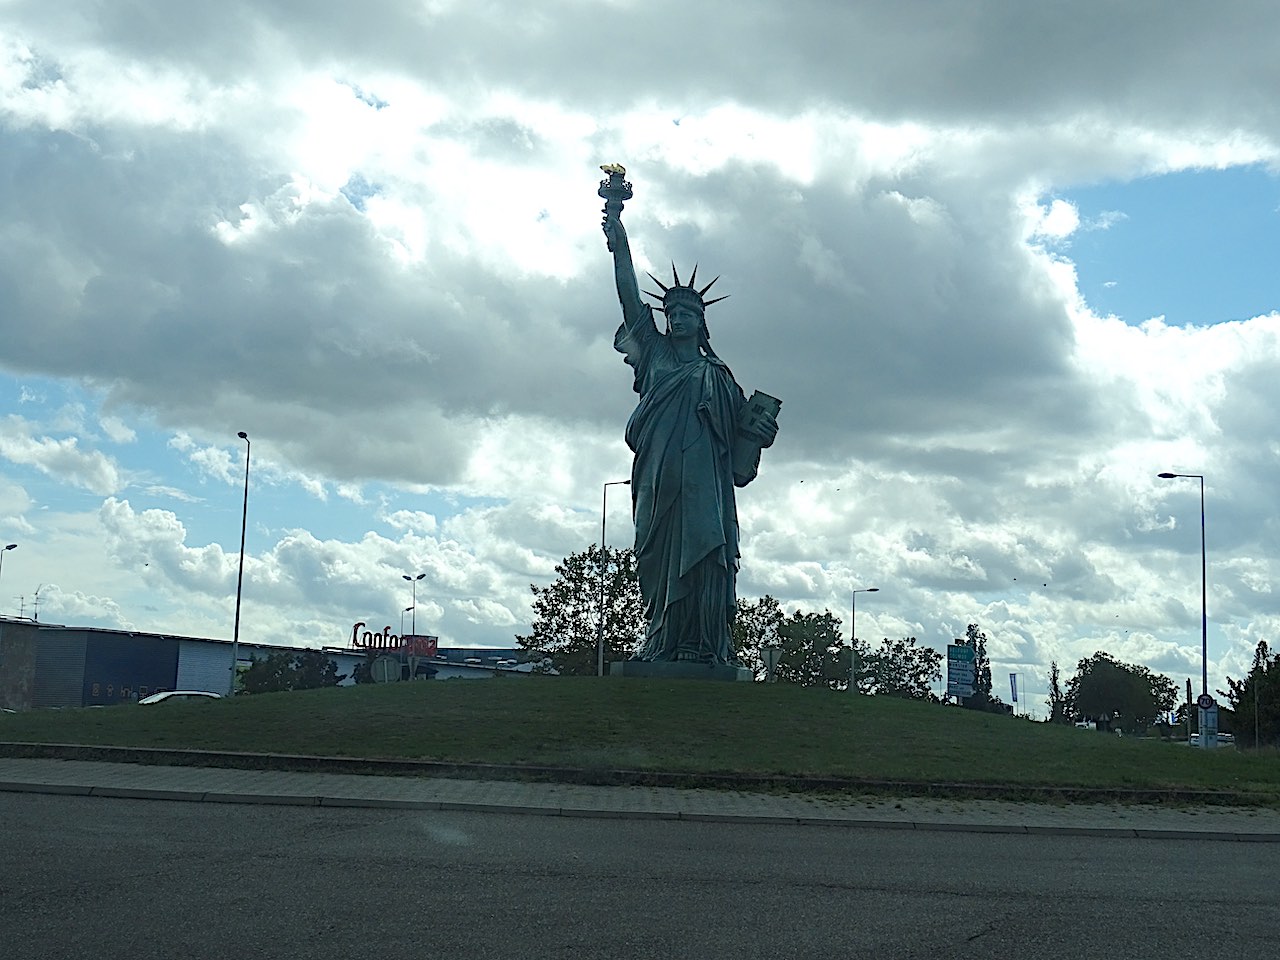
{"type": "Point", "coordinates": [171, 696]}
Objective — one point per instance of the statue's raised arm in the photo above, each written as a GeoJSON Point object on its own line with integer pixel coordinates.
{"type": "Point", "coordinates": [615, 190]}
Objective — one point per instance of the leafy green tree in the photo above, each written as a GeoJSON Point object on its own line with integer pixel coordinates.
{"type": "Point", "coordinates": [284, 671]}
{"type": "Point", "coordinates": [900, 668]}
{"type": "Point", "coordinates": [1057, 702]}
{"type": "Point", "coordinates": [811, 647]}
{"type": "Point", "coordinates": [566, 613]}
{"type": "Point", "coordinates": [754, 628]}
{"type": "Point", "coordinates": [1103, 686]}
{"type": "Point", "coordinates": [982, 698]}
{"type": "Point", "coordinates": [981, 662]}
{"type": "Point", "coordinates": [271, 674]}
{"type": "Point", "coordinates": [313, 669]}
{"type": "Point", "coordinates": [1163, 689]}
{"type": "Point", "coordinates": [1255, 701]}
{"type": "Point", "coordinates": [362, 672]}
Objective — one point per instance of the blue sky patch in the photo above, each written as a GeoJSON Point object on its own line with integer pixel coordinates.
{"type": "Point", "coordinates": [1196, 247]}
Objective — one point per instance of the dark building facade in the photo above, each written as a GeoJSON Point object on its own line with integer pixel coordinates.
{"type": "Point", "coordinates": [55, 666]}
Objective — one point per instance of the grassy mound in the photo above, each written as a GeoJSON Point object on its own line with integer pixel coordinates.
{"type": "Point", "coordinates": [657, 726]}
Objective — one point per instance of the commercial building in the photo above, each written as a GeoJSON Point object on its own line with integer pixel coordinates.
{"type": "Point", "coordinates": [45, 665]}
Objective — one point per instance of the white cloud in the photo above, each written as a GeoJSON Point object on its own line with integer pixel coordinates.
{"type": "Point", "coordinates": [116, 430]}
{"type": "Point", "coordinates": [61, 459]}
{"type": "Point", "coordinates": [370, 239]}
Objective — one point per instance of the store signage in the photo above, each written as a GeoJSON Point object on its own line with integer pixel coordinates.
{"type": "Point", "coordinates": [384, 639]}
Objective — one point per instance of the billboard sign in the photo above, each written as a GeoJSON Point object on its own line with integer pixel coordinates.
{"type": "Point", "coordinates": [419, 646]}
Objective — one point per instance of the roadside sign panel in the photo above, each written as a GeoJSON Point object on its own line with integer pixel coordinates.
{"type": "Point", "coordinates": [960, 671]}
{"type": "Point", "coordinates": [771, 655]}
{"type": "Point", "coordinates": [1209, 726]}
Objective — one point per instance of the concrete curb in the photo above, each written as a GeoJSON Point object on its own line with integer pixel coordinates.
{"type": "Point", "coordinates": [617, 777]}
{"type": "Point", "coordinates": [300, 800]}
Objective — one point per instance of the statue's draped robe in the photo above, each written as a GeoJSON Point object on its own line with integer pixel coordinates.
{"type": "Point", "coordinates": [682, 481]}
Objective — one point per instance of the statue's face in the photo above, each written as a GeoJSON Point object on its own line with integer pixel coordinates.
{"type": "Point", "coordinates": [684, 321]}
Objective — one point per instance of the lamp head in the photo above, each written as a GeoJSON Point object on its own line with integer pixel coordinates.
{"type": "Point", "coordinates": [1166, 476]}
{"type": "Point", "coordinates": [12, 546]}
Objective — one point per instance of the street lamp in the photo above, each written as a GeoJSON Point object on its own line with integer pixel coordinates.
{"type": "Point", "coordinates": [1204, 605]}
{"type": "Point", "coordinates": [12, 546]}
{"type": "Point", "coordinates": [604, 500]}
{"type": "Point", "coordinates": [413, 618]}
{"type": "Point", "coordinates": [244, 519]}
{"type": "Point", "coordinates": [402, 613]}
{"type": "Point", "coordinates": [853, 637]}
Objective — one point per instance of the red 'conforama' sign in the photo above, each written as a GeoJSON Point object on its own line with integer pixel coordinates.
{"type": "Point", "coordinates": [384, 639]}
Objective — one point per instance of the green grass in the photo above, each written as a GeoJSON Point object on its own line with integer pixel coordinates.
{"type": "Point", "coordinates": [665, 726]}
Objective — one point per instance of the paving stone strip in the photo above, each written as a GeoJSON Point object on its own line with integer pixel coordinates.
{"type": "Point", "coordinates": [152, 781]}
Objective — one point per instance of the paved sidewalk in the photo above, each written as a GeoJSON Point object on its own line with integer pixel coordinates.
{"type": "Point", "coordinates": [221, 785]}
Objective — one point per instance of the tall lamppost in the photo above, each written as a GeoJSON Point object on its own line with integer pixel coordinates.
{"type": "Point", "coordinates": [413, 617]}
{"type": "Point", "coordinates": [853, 637]}
{"type": "Point", "coordinates": [244, 520]}
{"type": "Point", "coordinates": [1204, 604]}
{"type": "Point", "coordinates": [402, 613]}
{"type": "Point", "coordinates": [12, 546]}
{"type": "Point", "coordinates": [604, 501]}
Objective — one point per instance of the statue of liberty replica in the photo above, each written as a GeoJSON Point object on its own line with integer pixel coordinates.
{"type": "Point", "coordinates": [695, 437]}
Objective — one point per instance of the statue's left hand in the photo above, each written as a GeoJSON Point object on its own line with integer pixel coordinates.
{"type": "Point", "coordinates": [764, 430]}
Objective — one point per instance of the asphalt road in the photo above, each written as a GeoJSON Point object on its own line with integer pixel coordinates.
{"type": "Point", "coordinates": [92, 877]}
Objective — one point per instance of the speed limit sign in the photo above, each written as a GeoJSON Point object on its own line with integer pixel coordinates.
{"type": "Point", "coordinates": [1205, 702]}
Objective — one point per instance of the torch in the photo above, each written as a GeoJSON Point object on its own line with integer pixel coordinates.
{"type": "Point", "coordinates": [615, 191]}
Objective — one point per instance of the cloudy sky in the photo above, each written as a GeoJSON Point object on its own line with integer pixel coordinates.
{"type": "Point", "coordinates": [1002, 262]}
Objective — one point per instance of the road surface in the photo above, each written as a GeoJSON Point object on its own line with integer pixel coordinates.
{"type": "Point", "coordinates": [93, 877]}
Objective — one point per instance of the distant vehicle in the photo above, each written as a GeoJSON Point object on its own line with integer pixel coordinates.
{"type": "Point", "coordinates": [171, 696]}
{"type": "Point", "coordinates": [1224, 740]}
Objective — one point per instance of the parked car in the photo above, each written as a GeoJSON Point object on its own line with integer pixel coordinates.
{"type": "Point", "coordinates": [171, 696]}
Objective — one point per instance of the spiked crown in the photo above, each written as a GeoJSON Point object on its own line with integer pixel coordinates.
{"type": "Point", "coordinates": [688, 294]}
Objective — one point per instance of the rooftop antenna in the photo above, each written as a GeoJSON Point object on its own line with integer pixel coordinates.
{"type": "Point", "coordinates": [35, 606]}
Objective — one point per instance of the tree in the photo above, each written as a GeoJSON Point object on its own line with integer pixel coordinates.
{"type": "Point", "coordinates": [269, 675]}
{"type": "Point", "coordinates": [899, 668]}
{"type": "Point", "coordinates": [982, 697]}
{"type": "Point", "coordinates": [1057, 702]}
{"type": "Point", "coordinates": [754, 628]}
{"type": "Point", "coordinates": [284, 671]}
{"type": "Point", "coordinates": [362, 672]}
{"type": "Point", "coordinates": [811, 648]}
{"type": "Point", "coordinates": [313, 669]}
{"type": "Point", "coordinates": [1105, 687]}
{"type": "Point", "coordinates": [1255, 700]}
{"type": "Point", "coordinates": [566, 613]}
